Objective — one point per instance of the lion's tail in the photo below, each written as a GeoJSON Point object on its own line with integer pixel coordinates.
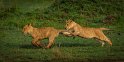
{"type": "Point", "coordinates": [104, 29]}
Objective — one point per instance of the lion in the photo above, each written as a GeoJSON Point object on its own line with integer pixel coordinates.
{"type": "Point", "coordinates": [42, 33]}
{"type": "Point", "coordinates": [86, 32]}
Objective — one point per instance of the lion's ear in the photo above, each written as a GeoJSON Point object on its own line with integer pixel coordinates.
{"type": "Point", "coordinates": [66, 21]}
{"type": "Point", "coordinates": [29, 24]}
{"type": "Point", "coordinates": [70, 20]}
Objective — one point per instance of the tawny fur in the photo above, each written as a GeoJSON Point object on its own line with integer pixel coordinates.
{"type": "Point", "coordinates": [41, 33]}
{"type": "Point", "coordinates": [87, 32]}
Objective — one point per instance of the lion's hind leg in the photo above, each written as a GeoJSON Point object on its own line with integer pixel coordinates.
{"type": "Point", "coordinates": [107, 40]}
{"type": "Point", "coordinates": [102, 42]}
{"type": "Point", "coordinates": [102, 37]}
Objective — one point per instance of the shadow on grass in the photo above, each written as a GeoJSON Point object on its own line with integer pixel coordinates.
{"type": "Point", "coordinates": [29, 46]}
{"type": "Point", "coordinates": [64, 44]}
{"type": "Point", "coordinates": [74, 44]}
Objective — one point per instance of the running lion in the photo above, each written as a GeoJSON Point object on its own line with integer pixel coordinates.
{"type": "Point", "coordinates": [86, 32]}
{"type": "Point", "coordinates": [42, 33]}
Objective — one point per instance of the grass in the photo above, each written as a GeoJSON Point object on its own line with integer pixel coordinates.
{"type": "Point", "coordinates": [15, 47]}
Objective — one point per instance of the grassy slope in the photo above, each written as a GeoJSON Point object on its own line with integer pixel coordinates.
{"type": "Point", "coordinates": [15, 47]}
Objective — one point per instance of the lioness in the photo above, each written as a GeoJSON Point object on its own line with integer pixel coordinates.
{"type": "Point", "coordinates": [86, 32]}
{"type": "Point", "coordinates": [41, 33]}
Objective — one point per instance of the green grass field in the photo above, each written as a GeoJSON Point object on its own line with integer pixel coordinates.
{"type": "Point", "coordinates": [15, 47]}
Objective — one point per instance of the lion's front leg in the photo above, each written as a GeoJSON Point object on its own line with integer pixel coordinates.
{"type": "Point", "coordinates": [75, 33]}
{"type": "Point", "coordinates": [34, 42]}
{"type": "Point", "coordinates": [40, 44]}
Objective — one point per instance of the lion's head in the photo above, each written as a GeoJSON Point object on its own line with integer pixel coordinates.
{"type": "Point", "coordinates": [69, 24]}
{"type": "Point", "coordinates": [27, 29]}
